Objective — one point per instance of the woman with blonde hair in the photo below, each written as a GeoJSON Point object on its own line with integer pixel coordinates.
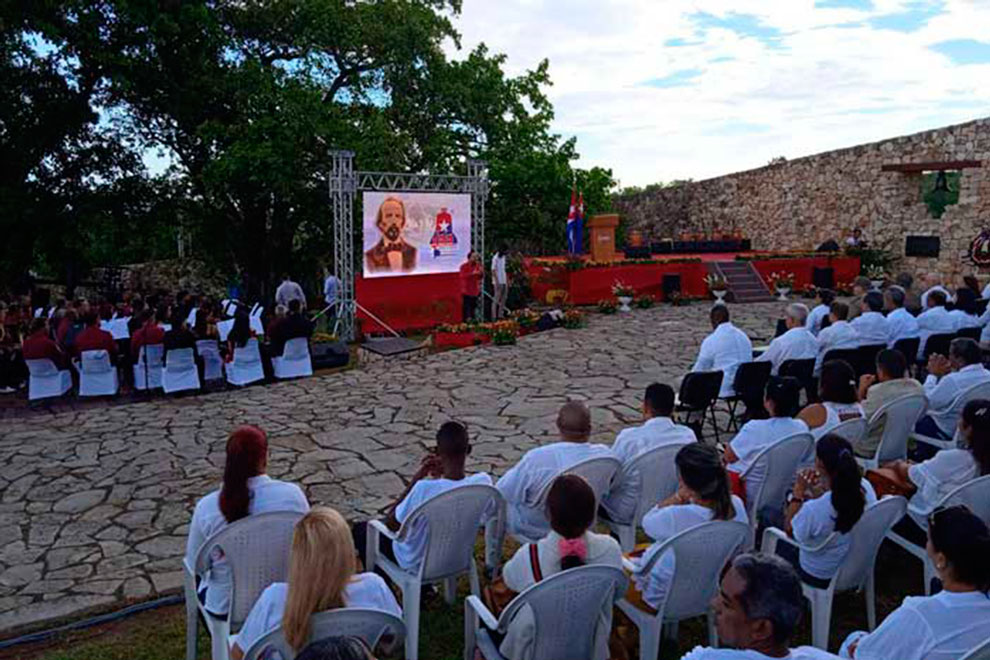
{"type": "Point", "coordinates": [321, 577]}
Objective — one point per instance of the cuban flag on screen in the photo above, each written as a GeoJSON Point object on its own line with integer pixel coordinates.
{"type": "Point", "coordinates": [573, 233]}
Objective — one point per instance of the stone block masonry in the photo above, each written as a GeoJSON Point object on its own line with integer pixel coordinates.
{"type": "Point", "coordinates": [798, 204]}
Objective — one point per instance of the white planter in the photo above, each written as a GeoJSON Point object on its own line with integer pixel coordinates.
{"type": "Point", "coordinates": [624, 302]}
{"type": "Point", "coordinates": [719, 295]}
{"type": "Point", "coordinates": [782, 292]}
{"type": "Point", "coordinates": [877, 284]}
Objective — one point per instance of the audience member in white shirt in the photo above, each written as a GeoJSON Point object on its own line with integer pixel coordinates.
{"type": "Point", "coordinates": [246, 491]}
{"type": "Point", "coordinates": [901, 324]}
{"type": "Point", "coordinates": [440, 471]}
{"type": "Point", "coordinates": [986, 291]}
{"type": "Point", "coordinates": [795, 344]}
{"type": "Point", "coordinates": [331, 288]}
{"type": "Point", "coordinates": [870, 325]}
{"type": "Point", "coordinates": [947, 470]}
{"type": "Point", "coordinates": [321, 577]}
{"type": "Point", "coordinates": [830, 497]}
{"type": "Point", "coordinates": [964, 311]}
{"type": "Point", "coordinates": [815, 317]}
{"type": "Point", "coordinates": [782, 402]}
{"type": "Point", "coordinates": [947, 379]}
{"type": "Point", "coordinates": [957, 619]}
{"type": "Point", "coordinates": [724, 350]}
{"type": "Point", "coordinates": [839, 400]}
{"type": "Point", "coordinates": [935, 320]}
{"type": "Point", "coordinates": [757, 610]}
{"type": "Point", "coordinates": [933, 283]}
{"type": "Point", "coordinates": [569, 544]}
{"type": "Point", "coordinates": [289, 290]}
{"type": "Point", "coordinates": [657, 430]}
{"type": "Point", "coordinates": [839, 335]}
{"type": "Point", "coordinates": [702, 495]}
{"type": "Point", "coordinates": [523, 485]}
{"type": "Point", "coordinates": [501, 282]}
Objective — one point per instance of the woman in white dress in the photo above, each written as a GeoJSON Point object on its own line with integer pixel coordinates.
{"type": "Point", "coordinates": [322, 577]}
{"type": "Point", "coordinates": [839, 399]}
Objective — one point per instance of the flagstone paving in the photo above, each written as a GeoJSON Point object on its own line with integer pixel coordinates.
{"type": "Point", "coordinates": [95, 502]}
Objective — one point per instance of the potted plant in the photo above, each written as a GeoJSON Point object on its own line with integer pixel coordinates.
{"type": "Point", "coordinates": [645, 301]}
{"type": "Point", "coordinates": [504, 333]}
{"type": "Point", "coordinates": [624, 293]}
{"type": "Point", "coordinates": [607, 306]}
{"type": "Point", "coordinates": [782, 282]}
{"type": "Point", "coordinates": [573, 319]}
{"type": "Point", "coordinates": [877, 275]}
{"type": "Point", "coordinates": [717, 285]}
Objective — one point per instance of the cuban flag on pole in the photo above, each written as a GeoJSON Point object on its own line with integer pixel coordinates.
{"type": "Point", "coordinates": [573, 236]}
{"type": "Point", "coordinates": [579, 226]}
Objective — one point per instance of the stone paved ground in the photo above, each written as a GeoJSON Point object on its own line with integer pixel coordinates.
{"type": "Point", "coordinates": [95, 502]}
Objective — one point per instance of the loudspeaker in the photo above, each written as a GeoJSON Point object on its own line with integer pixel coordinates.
{"type": "Point", "coordinates": [747, 245]}
{"type": "Point", "coordinates": [329, 355]}
{"type": "Point", "coordinates": [823, 278]}
{"type": "Point", "coordinates": [922, 246]}
{"type": "Point", "coordinates": [671, 284]}
{"type": "Point", "coordinates": [641, 252]}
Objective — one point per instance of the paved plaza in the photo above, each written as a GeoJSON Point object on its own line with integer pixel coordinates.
{"type": "Point", "coordinates": [95, 502]}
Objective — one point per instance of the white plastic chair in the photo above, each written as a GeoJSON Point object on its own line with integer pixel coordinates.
{"type": "Point", "coordinates": [856, 571]}
{"type": "Point", "coordinates": [780, 462]}
{"type": "Point", "coordinates": [597, 471]}
{"type": "Point", "coordinates": [975, 494]}
{"type": "Point", "coordinates": [367, 624]}
{"type": "Point", "coordinates": [980, 652]}
{"type": "Point", "coordinates": [898, 418]}
{"type": "Point", "coordinates": [853, 430]}
{"type": "Point", "coordinates": [566, 608]}
{"type": "Point", "coordinates": [246, 367]}
{"type": "Point", "coordinates": [699, 555]}
{"type": "Point", "coordinates": [657, 479]}
{"type": "Point", "coordinates": [294, 361]}
{"type": "Point", "coordinates": [257, 551]}
{"type": "Point", "coordinates": [209, 351]}
{"type": "Point", "coordinates": [452, 519]}
{"type": "Point", "coordinates": [180, 372]}
{"type": "Point", "coordinates": [97, 377]}
{"type": "Point", "coordinates": [148, 370]}
{"type": "Point", "coordinates": [46, 380]}
{"type": "Point", "coordinates": [978, 391]}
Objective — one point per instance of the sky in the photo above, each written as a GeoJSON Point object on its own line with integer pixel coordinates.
{"type": "Point", "coordinates": [659, 90]}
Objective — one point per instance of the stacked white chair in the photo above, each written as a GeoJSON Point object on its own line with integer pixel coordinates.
{"type": "Point", "coordinates": [978, 391]}
{"type": "Point", "coordinates": [294, 361]}
{"type": "Point", "coordinates": [699, 555]}
{"type": "Point", "coordinates": [566, 608]}
{"type": "Point", "coordinates": [856, 571]}
{"type": "Point", "coordinates": [898, 418]}
{"type": "Point", "coordinates": [372, 626]}
{"type": "Point", "coordinates": [148, 370]}
{"type": "Point", "coordinates": [46, 380]}
{"type": "Point", "coordinates": [453, 519]}
{"type": "Point", "coordinates": [780, 462]}
{"type": "Point", "coordinates": [257, 551]}
{"type": "Point", "coordinates": [209, 351]}
{"type": "Point", "coordinates": [975, 495]}
{"type": "Point", "coordinates": [657, 479]}
{"type": "Point", "coordinates": [180, 372]}
{"type": "Point", "coordinates": [246, 366]}
{"type": "Point", "coordinates": [97, 376]}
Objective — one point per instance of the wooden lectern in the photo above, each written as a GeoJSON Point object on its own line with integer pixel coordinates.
{"type": "Point", "coordinates": [603, 237]}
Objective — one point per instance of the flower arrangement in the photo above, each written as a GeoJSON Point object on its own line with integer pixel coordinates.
{"type": "Point", "coordinates": [622, 290]}
{"type": "Point", "coordinates": [459, 327]}
{"type": "Point", "coordinates": [526, 318]}
{"type": "Point", "coordinates": [782, 280]}
{"type": "Point", "coordinates": [607, 306]}
{"type": "Point", "coordinates": [645, 301]}
{"type": "Point", "coordinates": [716, 282]}
{"type": "Point", "coordinates": [676, 299]}
{"type": "Point", "coordinates": [573, 318]}
{"type": "Point", "coordinates": [504, 333]}
{"type": "Point", "coordinates": [875, 272]}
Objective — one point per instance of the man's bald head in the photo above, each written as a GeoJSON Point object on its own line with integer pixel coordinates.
{"type": "Point", "coordinates": [574, 422]}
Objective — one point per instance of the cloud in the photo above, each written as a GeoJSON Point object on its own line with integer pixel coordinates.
{"type": "Point", "coordinates": [767, 77]}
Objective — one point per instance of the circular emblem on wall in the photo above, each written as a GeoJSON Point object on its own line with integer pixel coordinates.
{"type": "Point", "coordinates": [979, 249]}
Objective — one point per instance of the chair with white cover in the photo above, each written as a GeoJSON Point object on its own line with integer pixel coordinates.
{"type": "Point", "coordinates": [371, 626]}
{"type": "Point", "coordinates": [246, 367]}
{"type": "Point", "coordinates": [254, 319]}
{"type": "Point", "coordinates": [180, 372]}
{"type": "Point", "coordinates": [699, 552]}
{"type": "Point", "coordinates": [452, 519]}
{"type": "Point", "coordinates": [257, 551]}
{"type": "Point", "coordinates": [975, 494]}
{"type": "Point", "coordinates": [598, 472]}
{"type": "Point", "coordinates": [224, 328]}
{"type": "Point", "coordinates": [46, 380]}
{"type": "Point", "coordinates": [780, 462]}
{"type": "Point", "coordinates": [148, 370]}
{"type": "Point", "coordinates": [566, 608]}
{"type": "Point", "coordinates": [209, 351]}
{"type": "Point", "coordinates": [657, 479]}
{"type": "Point", "coordinates": [979, 652]}
{"type": "Point", "coordinates": [856, 571]}
{"type": "Point", "coordinates": [97, 376]}
{"type": "Point", "coordinates": [294, 361]}
{"type": "Point", "coordinates": [898, 418]}
{"type": "Point", "coordinates": [978, 391]}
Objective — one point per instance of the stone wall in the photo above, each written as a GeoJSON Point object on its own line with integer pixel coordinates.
{"type": "Point", "coordinates": [798, 204]}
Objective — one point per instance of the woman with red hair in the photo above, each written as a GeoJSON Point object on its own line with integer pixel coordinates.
{"type": "Point", "coordinates": [246, 490]}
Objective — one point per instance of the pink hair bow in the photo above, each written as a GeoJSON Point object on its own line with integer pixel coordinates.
{"type": "Point", "coordinates": [573, 548]}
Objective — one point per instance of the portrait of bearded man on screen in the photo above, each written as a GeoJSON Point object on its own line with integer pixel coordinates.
{"type": "Point", "coordinates": [391, 254]}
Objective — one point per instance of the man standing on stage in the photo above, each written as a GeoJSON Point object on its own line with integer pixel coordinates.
{"type": "Point", "coordinates": [471, 274]}
{"type": "Point", "coordinates": [501, 281]}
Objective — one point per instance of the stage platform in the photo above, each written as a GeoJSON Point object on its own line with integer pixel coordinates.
{"type": "Point", "coordinates": [390, 348]}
